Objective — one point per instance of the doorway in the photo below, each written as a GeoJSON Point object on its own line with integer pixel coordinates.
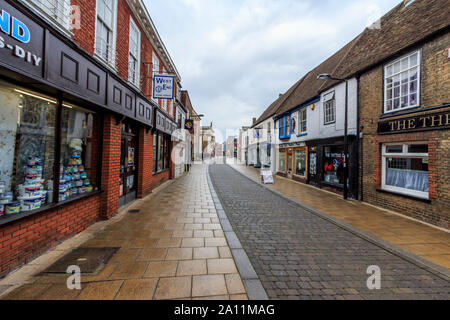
{"type": "Point", "coordinates": [289, 163]}
{"type": "Point", "coordinates": [128, 165]}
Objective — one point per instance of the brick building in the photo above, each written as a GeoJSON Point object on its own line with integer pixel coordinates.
{"type": "Point", "coordinates": [398, 76]}
{"type": "Point", "coordinates": [404, 93]}
{"type": "Point", "coordinates": [81, 132]}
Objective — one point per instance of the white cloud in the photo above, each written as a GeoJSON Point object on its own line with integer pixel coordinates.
{"type": "Point", "coordinates": [235, 57]}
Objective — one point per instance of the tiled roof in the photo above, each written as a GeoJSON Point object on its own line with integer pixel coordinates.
{"type": "Point", "coordinates": [401, 28]}
{"type": "Point", "coordinates": [273, 108]}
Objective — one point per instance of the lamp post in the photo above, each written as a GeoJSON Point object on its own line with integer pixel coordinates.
{"type": "Point", "coordinates": [326, 76]}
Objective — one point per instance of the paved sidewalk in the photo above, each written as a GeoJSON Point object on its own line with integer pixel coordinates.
{"type": "Point", "coordinates": [174, 248]}
{"type": "Point", "coordinates": [422, 240]}
{"type": "Point", "coordinates": [298, 254]}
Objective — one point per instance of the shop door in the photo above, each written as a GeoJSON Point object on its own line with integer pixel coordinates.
{"type": "Point", "coordinates": [312, 168]}
{"type": "Point", "coordinates": [289, 163]}
{"type": "Point", "coordinates": [128, 169]}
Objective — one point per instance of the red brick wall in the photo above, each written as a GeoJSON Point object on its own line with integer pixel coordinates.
{"type": "Point", "coordinates": [23, 240]}
{"type": "Point", "coordinates": [435, 90]}
{"type": "Point", "coordinates": [112, 136]}
{"type": "Point", "coordinates": [145, 167]}
{"type": "Point", "coordinates": [160, 178]}
{"type": "Point", "coordinates": [85, 37]}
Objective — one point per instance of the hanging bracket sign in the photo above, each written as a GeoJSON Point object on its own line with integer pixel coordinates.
{"type": "Point", "coordinates": [163, 86]}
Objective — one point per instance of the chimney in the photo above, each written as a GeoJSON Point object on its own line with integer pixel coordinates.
{"type": "Point", "coordinates": [254, 121]}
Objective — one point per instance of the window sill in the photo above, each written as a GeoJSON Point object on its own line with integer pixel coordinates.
{"type": "Point", "coordinates": [302, 134]}
{"type": "Point", "coordinates": [159, 172]}
{"type": "Point", "coordinates": [404, 195]}
{"type": "Point", "coordinates": [400, 111]}
{"type": "Point", "coordinates": [334, 185]}
{"type": "Point", "coordinates": [15, 217]}
{"type": "Point", "coordinates": [328, 123]}
{"type": "Point", "coordinates": [110, 67]}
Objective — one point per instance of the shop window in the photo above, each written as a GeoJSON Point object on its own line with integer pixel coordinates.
{"type": "Point", "coordinates": [105, 30]}
{"type": "Point", "coordinates": [79, 152]}
{"type": "Point", "coordinates": [300, 162]}
{"type": "Point", "coordinates": [282, 162]}
{"type": "Point", "coordinates": [334, 165]}
{"type": "Point", "coordinates": [27, 144]}
{"type": "Point", "coordinates": [405, 169]}
{"type": "Point", "coordinates": [402, 83]}
{"type": "Point", "coordinates": [329, 108]}
{"type": "Point", "coordinates": [155, 153]}
{"type": "Point", "coordinates": [134, 54]}
{"type": "Point", "coordinates": [161, 152]}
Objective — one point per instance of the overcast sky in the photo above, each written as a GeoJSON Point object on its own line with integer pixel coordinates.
{"type": "Point", "coordinates": [236, 56]}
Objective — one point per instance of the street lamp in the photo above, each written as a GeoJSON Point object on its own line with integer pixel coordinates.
{"type": "Point", "coordinates": [325, 77]}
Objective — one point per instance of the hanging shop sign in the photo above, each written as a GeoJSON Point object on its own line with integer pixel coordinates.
{"type": "Point", "coordinates": [189, 125]}
{"type": "Point", "coordinates": [435, 121]}
{"type": "Point", "coordinates": [163, 86]}
{"type": "Point", "coordinates": [21, 40]}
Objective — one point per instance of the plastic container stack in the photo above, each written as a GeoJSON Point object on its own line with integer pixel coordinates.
{"type": "Point", "coordinates": [73, 179]}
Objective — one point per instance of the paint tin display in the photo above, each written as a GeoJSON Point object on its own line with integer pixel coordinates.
{"type": "Point", "coordinates": [2, 210]}
{"type": "Point", "coordinates": [2, 186]}
{"type": "Point", "coordinates": [89, 188]}
{"type": "Point", "coordinates": [79, 183]}
{"type": "Point", "coordinates": [83, 175]}
{"type": "Point", "coordinates": [12, 208]}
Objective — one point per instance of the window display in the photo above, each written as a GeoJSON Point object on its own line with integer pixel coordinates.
{"type": "Point", "coordinates": [77, 174]}
{"type": "Point", "coordinates": [300, 162]}
{"type": "Point", "coordinates": [27, 138]}
{"type": "Point", "coordinates": [334, 164]}
{"type": "Point", "coordinates": [161, 149]}
{"type": "Point", "coordinates": [155, 159]}
{"type": "Point", "coordinates": [405, 169]}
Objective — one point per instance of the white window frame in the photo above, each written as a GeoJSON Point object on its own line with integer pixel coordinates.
{"type": "Point", "coordinates": [326, 108]}
{"type": "Point", "coordinates": [155, 70]}
{"type": "Point", "coordinates": [58, 11]}
{"type": "Point", "coordinates": [385, 78]}
{"type": "Point", "coordinates": [112, 60]}
{"type": "Point", "coordinates": [137, 79]}
{"type": "Point", "coordinates": [403, 154]}
{"type": "Point", "coordinates": [301, 120]}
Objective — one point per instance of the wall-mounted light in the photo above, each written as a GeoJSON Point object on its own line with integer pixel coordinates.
{"type": "Point", "coordinates": [313, 106]}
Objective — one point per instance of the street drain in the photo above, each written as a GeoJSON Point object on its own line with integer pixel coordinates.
{"type": "Point", "coordinates": [134, 211]}
{"type": "Point", "coordinates": [90, 260]}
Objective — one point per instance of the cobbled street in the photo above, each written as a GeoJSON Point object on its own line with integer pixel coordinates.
{"type": "Point", "coordinates": [299, 255]}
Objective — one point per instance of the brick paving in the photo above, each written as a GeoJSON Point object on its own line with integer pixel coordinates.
{"type": "Point", "coordinates": [298, 255]}
{"type": "Point", "coordinates": [425, 241]}
{"type": "Point", "coordinates": [173, 249]}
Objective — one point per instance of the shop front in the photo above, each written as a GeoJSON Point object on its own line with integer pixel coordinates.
{"type": "Point", "coordinates": [163, 167]}
{"type": "Point", "coordinates": [69, 131]}
{"type": "Point", "coordinates": [411, 168]}
{"type": "Point", "coordinates": [128, 171]}
{"type": "Point", "coordinates": [293, 161]}
{"type": "Point", "coordinates": [326, 164]}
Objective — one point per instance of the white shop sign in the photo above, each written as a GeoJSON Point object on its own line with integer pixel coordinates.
{"type": "Point", "coordinates": [267, 176]}
{"type": "Point", "coordinates": [163, 86]}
